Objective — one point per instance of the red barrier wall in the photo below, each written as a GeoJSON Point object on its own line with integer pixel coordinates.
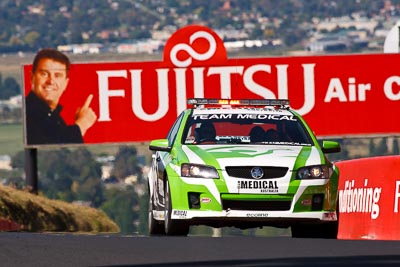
{"type": "Point", "coordinates": [369, 198]}
{"type": "Point", "coordinates": [7, 225]}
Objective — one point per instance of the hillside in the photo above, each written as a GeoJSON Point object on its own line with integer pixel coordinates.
{"type": "Point", "coordinates": [29, 25]}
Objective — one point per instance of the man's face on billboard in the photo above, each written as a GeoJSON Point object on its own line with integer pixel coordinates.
{"type": "Point", "coordinates": [49, 81]}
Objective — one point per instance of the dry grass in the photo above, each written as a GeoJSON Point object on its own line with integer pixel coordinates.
{"type": "Point", "coordinates": [38, 214]}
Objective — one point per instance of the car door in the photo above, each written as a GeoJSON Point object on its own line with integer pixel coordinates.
{"type": "Point", "coordinates": [162, 158]}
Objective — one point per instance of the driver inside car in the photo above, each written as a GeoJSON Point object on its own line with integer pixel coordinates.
{"type": "Point", "coordinates": [205, 134]}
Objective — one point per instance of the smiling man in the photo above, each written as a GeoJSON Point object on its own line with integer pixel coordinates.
{"type": "Point", "coordinates": [44, 125]}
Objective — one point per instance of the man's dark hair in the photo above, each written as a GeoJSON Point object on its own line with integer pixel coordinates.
{"type": "Point", "coordinates": [53, 54]}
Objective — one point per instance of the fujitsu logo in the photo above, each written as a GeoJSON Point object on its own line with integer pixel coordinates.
{"type": "Point", "coordinates": [191, 51]}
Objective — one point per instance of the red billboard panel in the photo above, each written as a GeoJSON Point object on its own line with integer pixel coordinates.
{"type": "Point", "coordinates": [338, 95]}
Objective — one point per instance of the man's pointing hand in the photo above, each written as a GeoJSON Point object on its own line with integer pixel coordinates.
{"type": "Point", "coordinates": [85, 116]}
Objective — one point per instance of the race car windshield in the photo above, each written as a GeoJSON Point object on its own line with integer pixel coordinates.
{"type": "Point", "coordinates": [245, 129]}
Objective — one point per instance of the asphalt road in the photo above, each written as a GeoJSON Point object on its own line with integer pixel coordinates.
{"type": "Point", "coordinates": [34, 249]}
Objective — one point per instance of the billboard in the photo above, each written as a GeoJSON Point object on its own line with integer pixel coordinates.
{"type": "Point", "coordinates": [338, 95]}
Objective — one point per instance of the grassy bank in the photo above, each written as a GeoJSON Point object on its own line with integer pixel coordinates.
{"type": "Point", "coordinates": [39, 214]}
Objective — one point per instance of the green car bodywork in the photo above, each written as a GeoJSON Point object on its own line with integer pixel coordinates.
{"type": "Point", "coordinates": [234, 181]}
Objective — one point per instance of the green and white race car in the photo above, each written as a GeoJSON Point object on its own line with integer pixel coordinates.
{"type": "Point", "coordinates": [242, 163]}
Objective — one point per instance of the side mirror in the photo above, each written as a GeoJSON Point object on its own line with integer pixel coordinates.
{"type": "Point", "coordinates": [330, 147]}
{"type": "Point", "coordinates": [160, 145]}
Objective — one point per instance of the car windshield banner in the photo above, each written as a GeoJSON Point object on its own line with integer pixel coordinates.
{"type": "Point", "coordinates": [121, 102]}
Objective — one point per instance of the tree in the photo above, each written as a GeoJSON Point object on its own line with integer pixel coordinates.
{"type": "Point", "coordinates": [125, 163]}
{"type": "Point", "coordinates": [8, 88]}
{"type": "Point", "coordinates": [396, 149]}
{"type": "Point", "coordinates": [382, 148]}
{"type": "Point", "coordinates": [257, 33]}
{"type": "Point", "coordinates": [74, 26]}
{"type": "Point", "coordinates": [83, 165]}
{"type": "Point", "coordinates": [372, 149]}
{"type": "Point", "coordinates": [32, 38]}
{"type": "Point", "coordinates": [70, 175]}
{"type": "Point", "coordinates": [121, 206]}
{"type": "Point", "coordinates": [91, 190]}
{"type": "Point", "coordinates": [18, 160]}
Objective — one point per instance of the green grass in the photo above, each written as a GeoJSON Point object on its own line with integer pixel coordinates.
{"type": "Point", "coordinates": [11, 139]}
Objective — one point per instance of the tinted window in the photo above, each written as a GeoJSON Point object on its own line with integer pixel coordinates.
{"type": "Point", "coordinates": [246, 129]}
{"type": "Point", "coordinates": [174, 129]}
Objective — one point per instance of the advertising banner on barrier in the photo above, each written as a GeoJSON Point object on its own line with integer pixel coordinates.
{"type": "Point", "coordinates": [369, 198]}
{"type": "Point", "coordinates": [339, 95]}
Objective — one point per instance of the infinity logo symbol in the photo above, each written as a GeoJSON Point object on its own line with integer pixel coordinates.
{"type": "Point", "coordinates": [193, 54]}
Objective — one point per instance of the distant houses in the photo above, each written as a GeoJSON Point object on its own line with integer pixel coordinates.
{"type": "Point", "coordinates": [152, 46]}
{"type": "Point", "coordinates": [148, 46]}
{"type": "Point", "coordinates": [351, 33]}
{"type": "Point", "coordinates": [11, 103]}
{"type": "Point", "coordinates": [5, 162]}
{"type": "Point", "coordinates": [341, 41]}
{"type": "Point", "coordinates": [330, 35]}
{"type": "Point", "coordinates": [86, 48]}
{"type": "Point", "coordinates": [128, 47]}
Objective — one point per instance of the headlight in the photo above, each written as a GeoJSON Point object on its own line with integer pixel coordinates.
{"type": "Point", "coordinates": [314, 172]}
{"type": "Point", "coordinates": [198, 171]}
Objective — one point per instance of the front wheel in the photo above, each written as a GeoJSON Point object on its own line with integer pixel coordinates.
{"type": "Point", "coordinates": [173, 227]}
{"type": "Point", "coordinates": [155, 227]}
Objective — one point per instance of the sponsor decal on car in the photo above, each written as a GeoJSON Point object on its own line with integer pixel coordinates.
{"type": "Point", "coordinates": [257, 215]}
{"type": "Point", "coordinates": [180, 213]}
{"type": "Point", "coordinates": [206, 200]}
{"type": "Point", "coordinates": [263, 186]}
{"type": "Point", "coordinates": [244, 116]}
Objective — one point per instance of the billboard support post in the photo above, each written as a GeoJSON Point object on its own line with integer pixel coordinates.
{"type": "Point", "coordinates": [31, 169]}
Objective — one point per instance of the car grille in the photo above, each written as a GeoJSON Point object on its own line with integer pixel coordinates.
{"type": "Point", "coordinates": [245, 172]}
{"type": "Point", "coordinates": [268, 205]}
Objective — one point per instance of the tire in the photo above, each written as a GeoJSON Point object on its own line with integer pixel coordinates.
{"type": "Point", "coordinates": [155, 227]}
{"type": "Point", "coordinates": [173, 227]}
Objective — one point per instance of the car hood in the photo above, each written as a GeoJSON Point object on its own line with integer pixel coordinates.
{"type": "Point", "coordinates": [221, 156]}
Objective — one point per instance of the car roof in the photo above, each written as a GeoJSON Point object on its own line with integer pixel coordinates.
{"type": "Point", "coordinates": [240, 106]}
{"type": "Point", "coordinates": [241, 110]}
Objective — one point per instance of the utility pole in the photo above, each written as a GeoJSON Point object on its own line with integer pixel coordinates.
{"type": "Point", "coordinates": [31, 170]}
